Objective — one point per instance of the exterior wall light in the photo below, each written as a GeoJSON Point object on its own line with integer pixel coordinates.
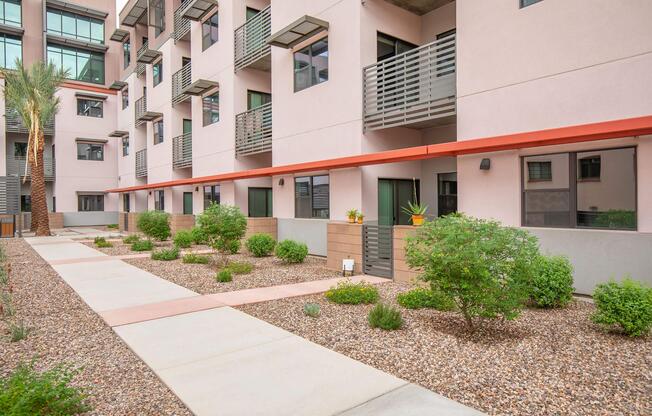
{"type": "Point", "coordinates": [485, 164]}
{"type": "Point", "coordinates": [281, 182]}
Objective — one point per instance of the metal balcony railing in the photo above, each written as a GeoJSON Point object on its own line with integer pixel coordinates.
{"type": "Point", "coordinates": [14, 124]}
{"type": "Point", "coordinates": [140, 67]}
{"type": "Point", "coordinates": [251, 48]}
{"type": "Point", "coordinates": [253, 131]}
{"type": "Point", "coordinates": [16, 166]}
{"type": "Point", "coordinates": [180, 80]}
{"type": "Point", "coordinates": [141, 163]}
{"type": "Point", "coordinates": [140, 108]}
{"type": "Point", "coordinates": [181, 24]}
{"type": "Point", "coordinates": [182, 151]}
{"type": "Point", "coordinates": [413, 88]}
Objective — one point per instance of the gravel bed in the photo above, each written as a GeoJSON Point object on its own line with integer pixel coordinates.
{"type": "Point", "coordinates": [268, 271]}
{"type": "Point", "coordinates": [64, 329]}
{"type": "Point", "coordinates": [547, 362]}
{"type": "Point", "coordinates": [120, 249]}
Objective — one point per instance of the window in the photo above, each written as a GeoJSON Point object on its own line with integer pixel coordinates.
{"type": "Point", "coordinates": [11, 48]}
{"type": "Point", "coordinates": [311, 197]}
{"type": "Point", "coordinates": [525, 3]}
{"type": "Point", "coordinates": [82, 65]}
{"type": "Point", "coordinates": [539, 171]}
{"type": "Point", "coordinates": [159, 200]}
{"type": "Point", "coordinates": [20, 149]}
{"type": "Point", "coordinates": [75, 26]}
{"type": "Point", "coordinates": [125, 98]}
{"type": "Point", "coordinates": [125, 146]}
{"type": "Point", "coordinates": [90, 202]}
{"type": "Point", "coordinates": [10, 13]}
{"type": "Point", "coordinates": [446, 65]}
{"type": "Point", "coordinates": [26, 203]}
{"type": "Point", "coordinates": [211, 195]}
{"type": "Point", "coordinates": [260, 202]}
{"type": "Point", "coordinates": [311, 65]}
{"type": "Point", "coordinates": [209, 31]}
{"type": "Point", "coordinates": [90, 108]}
{"type": "Point", "coordinates": [157, 73]}
{"type": "Point", "coordinates": [211, 108]}
{"type": "Point", "coordinates": [389, 46]}
{"type": "Point", "coordinates": [158, 10]}
{"type": "Point", "coordinates": [126, 53]}
{"type": "Point", "coordinates": [126, 202]}
{"type": "Point", "coordinates": [251, 12]}
{"type": "Point", "coordinates": [157, 126]}
{"type": "Point", "coordinates": [594, 189]}
{"type": "Point", "coordinates": [255, 99]}
{"type": "Point", "coordinates": [90, 151]}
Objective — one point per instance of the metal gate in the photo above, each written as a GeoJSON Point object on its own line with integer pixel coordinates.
{"type": "Point", "coordinates": [377, 244]}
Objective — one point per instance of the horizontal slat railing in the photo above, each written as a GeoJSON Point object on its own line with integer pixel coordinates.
{"type": "Point", "coordinates": [140, 108]}
{"type": "Point", "coordinates": [181, 24]}
{"type": "Point", "coordinates": [180, 80]}
{"type": "Point", "coordinates": [253, 131]}
{"type": "Point", "coordinates": [413, 87]}
{"type": "Point", "coordinates": [14, 124]}
{"type": "Point", "coordinates": [16, 166]}
{"type": "Point", "coordinates": [182, 151]}
{"type": "Point", "coordinates": [141, 163]}
{"type": "Point", "coordinates": [9, 195]}
{"type": "Point", "coordinates": [140, 67]}
{"type": "Point", "coordinates": [250, 39]}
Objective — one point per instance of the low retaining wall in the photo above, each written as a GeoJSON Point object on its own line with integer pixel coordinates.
{"type": "Point", "coordinates": [344, 241]}
{"type": "Point", "coordinates": [56, 220]}
{"type": "Point", "coordinates": [131, 217]}
{"type": "Point", "coordinates": [313, 232]}
{"type": "Point", "coordinates": [181, 222]}
{"type": "Point", "coordinates": [267, 225]}
{"type": "Point", "coordinates": [402, 273]}
{"type": "Point", "coordinates": [81, 219]}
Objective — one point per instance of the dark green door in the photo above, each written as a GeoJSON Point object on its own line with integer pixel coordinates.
{"type": "Point", "coordinates": [260, 202]}
{"type": "Point", "coordinates": [187, 126]}
{"type": "Point", "coordinates": [187, 203]}
{"type": "Point", "coordinates": [393, 195]}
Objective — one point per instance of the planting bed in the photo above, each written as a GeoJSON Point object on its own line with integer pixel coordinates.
{"type": "Point", "coordinates": [120, 249]}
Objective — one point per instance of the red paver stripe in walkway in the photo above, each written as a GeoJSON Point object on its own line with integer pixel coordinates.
{"type": "Point", "coordinates": [118, 257]}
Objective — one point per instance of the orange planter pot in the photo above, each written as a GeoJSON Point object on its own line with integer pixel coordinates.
{"type": "Point", "coordinates": [351, 220]}
{"type": "Point", "coordinates": [417, 220]}
{"type": "Point", "coordinates": [359, 220]}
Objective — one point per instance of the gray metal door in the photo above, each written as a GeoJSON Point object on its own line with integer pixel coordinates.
{"type": "Point", "coordinates": [126, 215]}
{"type": "Point", "coordinates": [377, 243]}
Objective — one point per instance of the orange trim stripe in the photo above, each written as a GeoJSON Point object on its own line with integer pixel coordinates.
{"type": "Point", "coordinates": [78, 86]}
{"type": "Point", "coordinates": [563, 135]}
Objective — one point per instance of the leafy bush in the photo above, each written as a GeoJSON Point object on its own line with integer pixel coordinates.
{"type": "Point", "coordinates": [347, 292]}
{"type": "Point", "coordinates": [4, 277]}
{"type": "Point", "coordinates": [627, 305]}
{"type": "Point", "coordinates": [425, 298]}
{"type": "Point", "coordinates": [130, 239]}
{"type": "Point", "coordinates": [291, 251]}
{"type": "Point", "coordinates": [192, 258]}
{"type": "Point", "coordinates": [112, 226]}
{"type": "Point", "coordinates": [28, 392]}
{"type": "Point", "coordinates": [483, 267]}
{"type": "Point", "coordinates": [223, 226]}
{"type": "Point", "coordinates": [552, 283]}
{"type": "Point", "coordinates": [198, 236]}
{"type": "Point", "coordinates": [311, 309]}
{"type": "Point", "coordinates": [142, 245]}
{"type": "Point", "coordinates": [101, 242]}
{"type": "Point", "coordinates": [224, 276]}
{"type": "Point", "coordinates": [6, 304]}
{"type": "Point", "coordinates": [18, 331]}
{"type": "Point", "coordinates": [239, 267]}
{"type": "Point", "coordinates": [385, 317]}
{"type": "Point", "coordinates": [260, 245]}
{"type": "Point", "coordinates": [166, 254]}
{"type": "Point", "coordinates": [155, 224]}
{"type": "Point", "coordinates": [183, 238]}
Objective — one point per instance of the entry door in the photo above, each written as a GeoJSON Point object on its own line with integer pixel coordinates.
{"type": "Point", "coordinates": [446, 193]}
{"type": "Point", "coordinates": [187, 203]}
{"type": "Point", "coordinates": [393, 195]}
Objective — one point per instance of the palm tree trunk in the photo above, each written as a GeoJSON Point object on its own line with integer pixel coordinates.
{"type": "Point", "coordinates": [39, 200]}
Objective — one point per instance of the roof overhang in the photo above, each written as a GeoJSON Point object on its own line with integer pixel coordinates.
{"type": "Point", "coordinates": [119, 133]}
{"type": "Point", "coordinates": [12, 30]}
{"type": "Point", "coordinates": [86, 140]}
{"type": "Point", "coordinates": [297, 31]}
{"type": "Point", "coordinates": [133, 12]}
{"type": "Point", "coordinates": [91, 96]}
{"type": "Point", "coordinates": [150, 116]}
{"type": "Point", "coordinates": [64, 41]}
{"type": "Point", "coordinates": [564, 135]}
{"type": "Point", "coordinates": [119, 35]}
{"type": "Point", "coordinates": [200, 87]}
{"type": "Point", "coordinates": [148, 56]}
{"type": "Point", "coordinates": [419, 7]}
{"type": "Point", "coordinates": [118, 85]}
{"type": "Point", "coordinates": [77, 9]}
{"type": "Point", "coordinates": [198, 9]}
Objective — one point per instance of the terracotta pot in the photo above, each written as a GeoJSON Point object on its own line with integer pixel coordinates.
{"type": "Point", "coordinates": [359, 220]}
{"type": "Point", "coordinates": [351, 220]}
{"type": "Point", "coordinates": [417, 220]}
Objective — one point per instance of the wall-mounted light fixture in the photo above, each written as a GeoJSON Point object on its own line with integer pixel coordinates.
{"type": "Point", "coordinates": [485, 164]}
{"type": "Point", "coordinates": [281, 182]}
{"type": "Point", "coordinates": [196, 188]}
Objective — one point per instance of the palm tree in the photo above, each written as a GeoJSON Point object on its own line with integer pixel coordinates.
{"type": "Point", "coordinates": [31, 94]}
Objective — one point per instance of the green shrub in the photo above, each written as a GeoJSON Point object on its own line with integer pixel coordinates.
{"type": "Point", "coordinates": [261, 245]}
{"type": "Point", "coordinates": [142, 245]}
{"type": "Point", "coordinates": [239, 267]}
{"type": "Point", "coordinates": [627, 305]}
{"type": "Point", "coordinates": [192, 258]}
{"type": "Point", "coordinates": [483, 267]}
{"type": "Point", "coordinates": [112, 226]}
{"type": "Point", "coordinates": [224, 276]}
{"type": "Point", "coordinates": [4, 277]}
{"type": "Point", "coordinates": [130, 239]}
{"type": "Point", "coordinates": [18, 331]}
{"type": "Point", "coordinates": [155, 224]}
{"type": "Point", "coordinates": [101, 242]}
{"type": "Point", "coordinates": [385, 317]}
{"type": "Point", "coordinates": [183, 238]}
{"type": "Point", "coordinates": [223, 226]}
{"type": "Point", "coordinates": [6, 304]}
{"type": "Point", "coordinates": [347, 292]}
{"type": "Point", "coordinates": [198, 236]}
{"type": "Point", "coordinates": [552, 283]}
{"type": "Point", "coordinates": [291, 251]}
{"type": "Point", "coordinates": [616, 218]}
{"type": "Point", "coordinates": [312, 310]}
{"type": "Point", "coordinates": [28, 392]}
{"type": "Point", "coordinates": [166, 254]}
{"type": "Point", "coordinates": [425, 298]}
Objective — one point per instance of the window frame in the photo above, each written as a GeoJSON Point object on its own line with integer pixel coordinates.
{"type": "Point", "coordinates": [158, 131]}
{"type": "Point", "coordinates": [77, 18]}
{"type": "Point", "coordinates": [87, 111]}
{"type": "Point", "coordinates": [126, 53]}
{"type": "Point", "coordinates": [124, 96]}
{"type": "Point", "coordinates": [269, 201]}
{"type": "Point", "coordinates": [4, 13]}
{"type": "Point", "coordinates": [77, 54]}
{"type": "Point", "coordinates": [90, 151]}
{"type": "Point", "coordinates": [206, 31]}
{"type": "Point", "coordinates": [98, 202]}
{"type": "Point", "coordinates": [310, 65]}
{"type": "Point", "coordinates": [125, 146]}
{"type": "Point", "coordinates": [213, 195]}
{"type": "Point", "coordinates": [158, 16]}
{"type": "Point", "coordinates": [159, 200]}
{"type": "Point", "coordinates": [157, 73]}
{"type": "Point", "coordinates": [15, 41]}
{"type": "Point", "coordinates": [16, 147]}
{"type": "Point", "coordinates": [526, 3]}
{"type": "Point", "coordinates": [591, 166]}
{"type": "Point", "coordinates": [209, 107]}
{"type": "Point", "coordinates": [539, 162]}
{"type": "Point", "coordinates": [311, 188]}
{"type": "Point", "coordinates": [263, 95]}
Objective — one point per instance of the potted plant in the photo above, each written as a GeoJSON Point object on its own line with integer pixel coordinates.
{"type": "Point", "coordinates": [416, 212]}
{"type": "Point", "coordinates": [360, 217]}
{"type": "Point", "coordinates": [352, 214]}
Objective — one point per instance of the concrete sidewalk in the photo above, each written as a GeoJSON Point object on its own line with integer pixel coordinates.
{"type": "Point", "coordinates": [221, 361]}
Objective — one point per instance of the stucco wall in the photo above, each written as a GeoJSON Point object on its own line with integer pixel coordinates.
{"type": "Point", "coordinates": [312, 232]}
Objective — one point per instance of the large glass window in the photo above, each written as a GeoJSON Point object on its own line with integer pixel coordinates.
{"type": "Point", "coordinates": [157, 73]}
{"type": "Point", "coordinates": [82, 65]}
{"type": "Point", "coordinates": [260, 202]}
{"type": "Point", "coordinates": [525, 3]}
{"type": "Point", "coordinates": [311, 197]}
{"type": "Point", "coordinates": [10, 12]}
{"type": "Point", "coordinates": [90, 151]}
{"type": "Point", "coordinates": [90, 202]}
{"type": "Point", "coordinates": [211, 109]}
{"type": "Point", "coordinates": [158, 10]}
{"type": "Point", "coordinates": [11, 48]}
{"type": "Point", "coordinates": [159, 200]}
{"type": "Point", "coordinates": [126, 202]}
{"type": "Point", "coordinates": [389, 46]}
{"type": "Point", "coordinates": [157, 126]}
{"type": "Point", "coordinates": [211, 195]}
{"type": "Point", "coordinates": [125, 98]}
{"type": "Point", "coordinates": [90, 108]}
{"type": "Point", "coordinates": [125, 146]}
{"type": "Point", "coordinates": [126, 53]}
{"type": "Point", "coordinates": [255, 99]}
{"type": "Point", "coordinates": [595, 189]}
{"type": "Point", "coordinates": [311, 65]}
{"type": "Point", "coordinates": [75, 26]}
{"type": "Point", "coordinates": [20, 149]}
{"type": "Point", "coordinates": [26, 203]}
{"type": "Point", "coordinates": [210, 31]}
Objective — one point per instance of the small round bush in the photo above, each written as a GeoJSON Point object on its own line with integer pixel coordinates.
{"type": "Point", "coordinates": [312, 310]}
{"type": "Point", "coordinates": [198, 236]}
{"type": "Point", "coordinates": [260, 245]}
{"type": "Point", "coordinates": [224, 276]}
{"type": "Point", "coordinates": [224, 226]}
{"type": "Point", "coordinates": [425, 298]}
{"type": "Point", "coordinates": [230, 247]}
{"type": "Point", "coordinates": [239, 267]}
{"type": "Point", "coordinates": [192, 258]}
{"type": "Point", "coordinates": [385, 317]}
{"type": "Point", "coordinates": [101, 242]}
{"type": "Point", "coordinates": [552, 283]}
{"type": "Point", "coordinates": [627, 305]}
{"type": "Point", "coordinates": [183, 239]}
{"type": "Point", "coordinates": [291, 251]}
{"type": "Point", "coordinates": [347, 292]}
{"type": "Point", "coordinates": [155, 224]}
{"type": "Point", "coordinates": [130, 239]}
{"type": "Point", "coordinates": [142, 245]}
{"type": "Point", "coordinates": [166, 254]}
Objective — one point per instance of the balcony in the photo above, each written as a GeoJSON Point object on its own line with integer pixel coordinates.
{"type": "Point", "coordinates": [253, 131]}
{"type": "Point", "coordinates": [180, 80]}
{"type": "Point", "coordinates": [16, 166]}
{"type": "Point", "coordinates": [141, 163]}
{"type": "Point", "coordinates": [14, 124]}
{"type": "Point", "coordinates": [146, 55]}
{"type": "Point", "coordinates": [181, 24]}
{"type": "Point", "coordinates": [251, 47]}
{"type": "Point", "coordinates": [141, 114]}
{"type": "Point", "coordinates": [182, 151]}
{"type": "Point", "coordinates": [415, 89]}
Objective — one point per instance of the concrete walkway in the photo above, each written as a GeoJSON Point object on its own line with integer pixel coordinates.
{"type": "Point", "coordinates": [221, 361]}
